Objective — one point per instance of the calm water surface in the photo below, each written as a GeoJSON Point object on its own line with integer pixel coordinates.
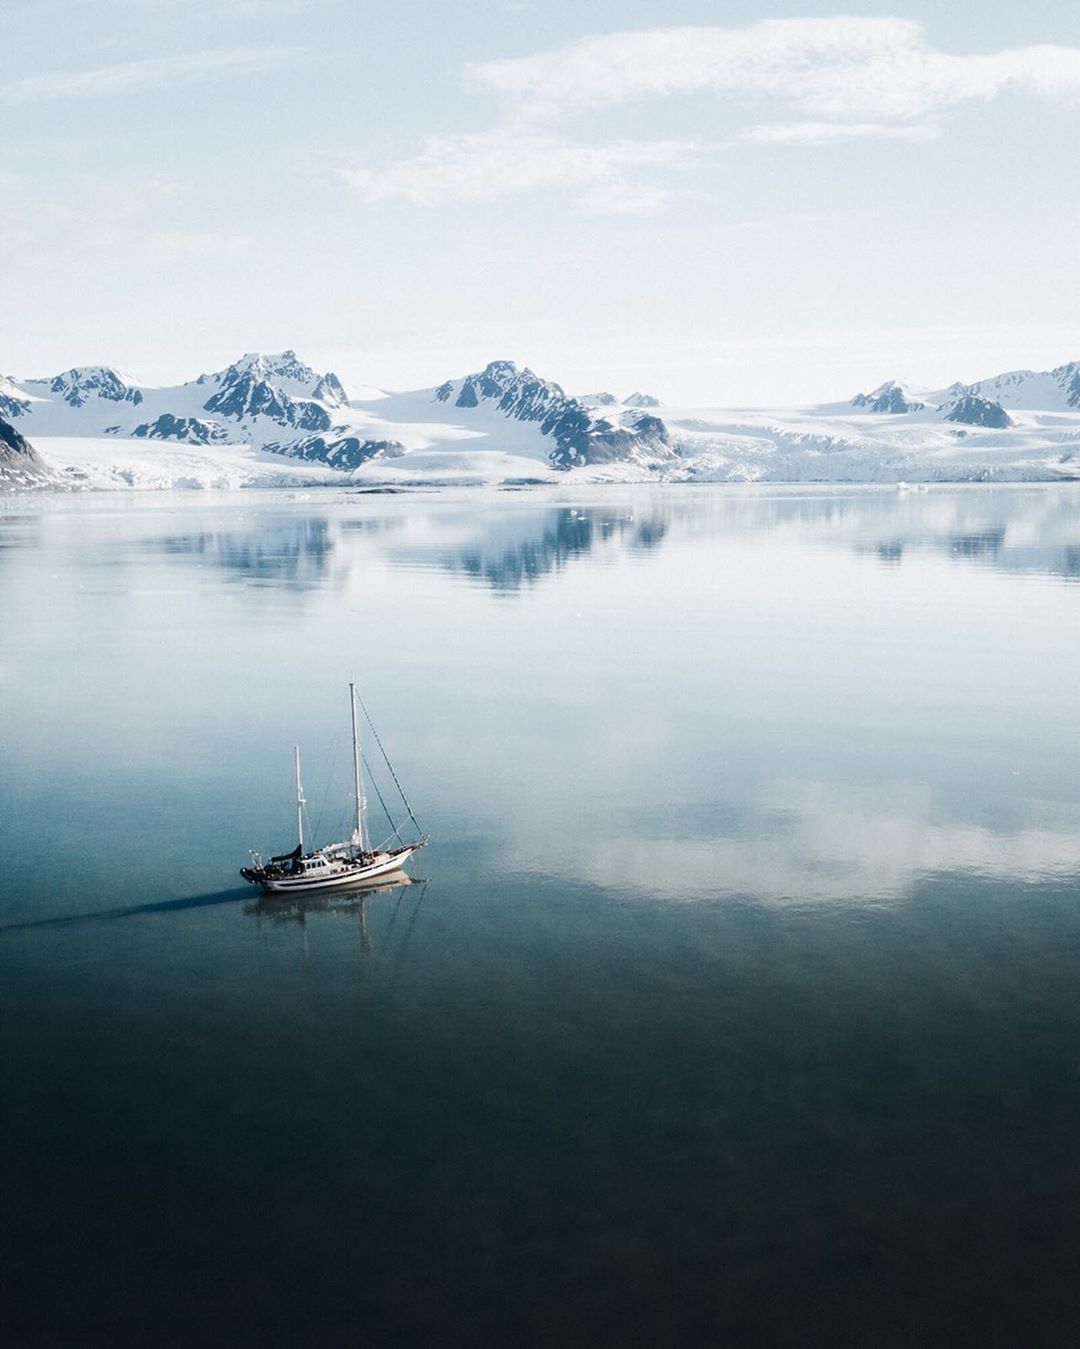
{"type": "Point", "coordinates": [738, 1004]}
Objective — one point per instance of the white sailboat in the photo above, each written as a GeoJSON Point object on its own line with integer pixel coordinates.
{"type": "Point", "coordinates": [336, 866]}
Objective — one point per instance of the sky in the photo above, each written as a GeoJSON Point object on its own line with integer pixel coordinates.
{"type": "Point", "coordinates": [723, 203]}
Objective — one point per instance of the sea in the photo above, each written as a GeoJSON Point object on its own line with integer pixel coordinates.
{"type": "Point", "coordinates": [734, 1002]}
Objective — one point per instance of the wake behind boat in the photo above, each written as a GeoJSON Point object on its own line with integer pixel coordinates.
{"type": "Point", "coordinates": [350, 863]}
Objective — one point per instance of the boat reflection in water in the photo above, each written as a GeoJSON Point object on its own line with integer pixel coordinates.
{"type": "Point", "coordinates": [282, 909]}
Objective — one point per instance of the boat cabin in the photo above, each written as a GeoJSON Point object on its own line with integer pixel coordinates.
{"type": "Point", "coordinates": [316, 862]}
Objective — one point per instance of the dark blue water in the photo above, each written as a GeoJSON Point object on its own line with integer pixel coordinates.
{"type": "Point", "coordinates": [737, 1000]}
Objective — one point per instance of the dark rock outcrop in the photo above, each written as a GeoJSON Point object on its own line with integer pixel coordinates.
{"type": "Point", "coordinates": [972, 410]}
{"type": "Point", "coordinates": [194, 430]}
{"type": "Point", "coordinates": [20, 464]}
{"type": "Point", "coordinates": [345, 453]}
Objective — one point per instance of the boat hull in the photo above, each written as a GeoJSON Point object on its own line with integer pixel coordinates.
{"type": "Point", "coordinates": [342, 880]}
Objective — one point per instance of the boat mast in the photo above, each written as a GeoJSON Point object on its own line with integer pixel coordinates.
{"type": "Point", "coordinates": [357, 782]}
{"type": "Point", "coordinates": [299, 799]}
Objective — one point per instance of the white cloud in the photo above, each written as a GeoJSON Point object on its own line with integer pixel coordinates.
{"type": "Point", "coordinates": [822, 133]}
{"type": "Point", "coordinates": [839, 79]}
{"type": "Point", "coordinates": [844, 67]}
{"type": "Point", "coordinates": [621, 197]}
{"type": "Point", "coordinates": [139, 76]}
{"type": "Point", "coordinates": [482, 165]}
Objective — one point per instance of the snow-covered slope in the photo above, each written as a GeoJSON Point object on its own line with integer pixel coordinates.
{"type": "Point", "coordinates": [273, 420]}
{"type": "Point", "coordinates": [1056, 390]}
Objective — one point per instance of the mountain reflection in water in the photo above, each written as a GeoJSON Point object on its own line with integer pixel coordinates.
{"type": "Point", "coordinates": [559, 538]}
{"type": "Point", "coordinates": [300, 555]}
{"type": "Point", "coordinates": [323, 541]}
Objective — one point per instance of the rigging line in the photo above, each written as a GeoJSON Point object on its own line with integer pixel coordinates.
{"type": "Point", "coordinates": [375, 785]}
{"type": "Point", "coordinates": [403, 944]}
{"type": "Point", "coordinates": [394, 915]}
{"type": "Point", "coordinates": [389, 765]}
{"type": "Point", "coordinates": [330, 774]}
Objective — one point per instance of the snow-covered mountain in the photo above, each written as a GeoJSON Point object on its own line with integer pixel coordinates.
{"type": "Point", "coordinates": [579, 436]}
{"type": "Point", "coordinates": [239, 424]}
{"type": "Point", "coordinates": [78, 386]}
{"type": "Point", "coordinates": [892, 397]}
{"type": "Point", "coordinates": [274, 420]}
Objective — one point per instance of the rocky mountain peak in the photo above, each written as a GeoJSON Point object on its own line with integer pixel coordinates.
{"type": "Point", "coordinates": [641, 400]}
{"type": "Point", "coordinates": [330, 390]}
{"type": "Point", "coordinates": [83, 382]}
{"type": "Point", "coordinates": [518, 391]}
{"type": "Point", "coordinates": [579, 435]}
{"type": "Point", "coordinates": [890, 397]}
{"type": "Point", "coordinates": [284, 365]}
{"type": "Point", "coordinates": [250, 396]}
{"type": "Point", "coordinates": [503, 372]}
